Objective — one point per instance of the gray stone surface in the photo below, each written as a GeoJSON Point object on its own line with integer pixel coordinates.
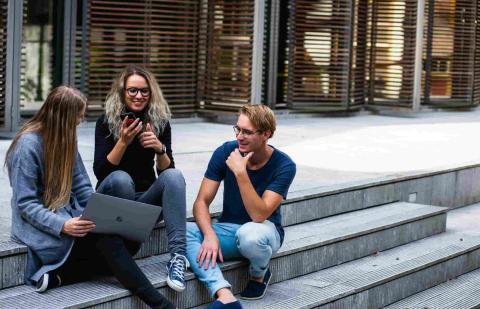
{"type": "Point", "coordinates": [344, 153]}
{"type": "Point", "coordinates": [468, 182]}
{"type": "Point", "coordinates": [342, 167]}
{"type": "Point", "coordinates": [313, 232]}
{"type": "Point", "coordinates": [462, 224]}
{"type": "Point", "coordinates": [344, 226]}
{"type": "Point", "coordinates": [301, 254]}
{"type": "Point", "coordinates": [459, 293]}
{"type": "Point", "coordinates": [442, 193]}
{"type": "Point", "coordinates": [380, 279]}
{"type": "Point", "coordinates": [465, 219]}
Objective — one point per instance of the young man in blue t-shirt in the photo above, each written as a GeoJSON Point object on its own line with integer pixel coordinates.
{"type": "Point", "coordinates": [256, 179]}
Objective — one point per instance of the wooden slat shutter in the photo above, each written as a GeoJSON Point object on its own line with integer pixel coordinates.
{"type": "Point", "coordinates": [392, 51]}
{"type": "Point", "coordinates": [3, 59]}
{"type": "Point", "coordinates": [320, 54]}
{"type": "Point", "coordinates": [82, 46]}
{"type": "Point", "coordinates": [359, 83]}
{"type": "Point", "coordinates": [225, 56]}
{"type": "Point", "coordinates": [476, 85]}
{"type": "Point", "coordinates": [450, 64]}
{"type": "Point", "coordinates": [161, 34]}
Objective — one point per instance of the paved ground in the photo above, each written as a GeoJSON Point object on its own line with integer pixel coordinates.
{"type": "Point", "coordinates": [329, 151]}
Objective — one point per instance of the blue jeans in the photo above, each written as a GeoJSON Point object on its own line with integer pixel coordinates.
{"type": "Point", "coordinates": [256, 242]}
{"type": "Point", "coordinates": [168, 192]}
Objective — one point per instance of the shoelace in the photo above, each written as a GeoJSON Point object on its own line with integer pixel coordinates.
{"type": "Point", "coordinates": [178, 265]}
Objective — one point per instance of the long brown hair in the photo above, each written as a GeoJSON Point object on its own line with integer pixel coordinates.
{"type": "Point", "coordinates": [56, 122]}
{"type": "Point", "coordinates": [157, 110]}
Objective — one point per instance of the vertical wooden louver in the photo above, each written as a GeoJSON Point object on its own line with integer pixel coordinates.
{"type": "Point", "coordinates": [450, 58]}
{"type": "Point", "coordinates": [82, 46]}
{"type": "Point", "coordinates": [161, 34]}
{"type": "Point", "coordinates": [225, 55]}
{"type": "Point", "coordinates": [3, 60]}
{"type": "Point", "coordinates": [319, 59]}
{"type": "Point", "coordinates": [476, 85]}
{"type": "Point", "coordinates": [358, 88]}
{"type": "Point", "coordinates": [392, 52]}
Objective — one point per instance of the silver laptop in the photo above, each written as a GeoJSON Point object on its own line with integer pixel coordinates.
{"type": "Point", "coordinates": [112, 215]}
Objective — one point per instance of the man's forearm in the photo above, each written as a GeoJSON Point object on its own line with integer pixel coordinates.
{"type": "Point", "coordinates": [254, 204]}
{"type": "Point", "coordinates": [202, 218]}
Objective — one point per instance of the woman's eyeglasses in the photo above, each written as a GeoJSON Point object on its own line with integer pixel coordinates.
{"type": "Point", "coordinates": [132, 91]}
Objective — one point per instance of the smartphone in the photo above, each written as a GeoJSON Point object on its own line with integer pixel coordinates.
{"type": "Point", "coordinates": [130, 117]}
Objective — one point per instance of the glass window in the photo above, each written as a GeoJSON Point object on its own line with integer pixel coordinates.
{"type": "Point", "coordinates": [37, 62]}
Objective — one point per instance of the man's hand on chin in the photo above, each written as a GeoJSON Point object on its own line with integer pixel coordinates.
{"type": "Point", "coordinates": [238, 163]}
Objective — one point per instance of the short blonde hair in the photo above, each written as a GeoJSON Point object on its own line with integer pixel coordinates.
{"type": "Point", "coordinates": [261, 116]}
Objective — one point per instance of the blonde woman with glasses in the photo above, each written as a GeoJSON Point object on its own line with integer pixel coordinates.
{"type": "Point", "coordinates": [133, 158]}
{"type": "Point", "coordinates": [50, 191]}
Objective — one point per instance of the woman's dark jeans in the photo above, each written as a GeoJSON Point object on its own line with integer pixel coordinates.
{"type": "Point", "coordinates": [168, 192]}
{"type": "Point", "coordinates": [99, 254]}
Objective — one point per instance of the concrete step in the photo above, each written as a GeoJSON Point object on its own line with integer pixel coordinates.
{"type": "Point", "coordinates": [297, 210]}
{"type": "Point", "coordinates": [459, 293]}
{"type": "Point", "coordinates": [308, 247]}
{"type": "Point", "coordinates": [385, 278]}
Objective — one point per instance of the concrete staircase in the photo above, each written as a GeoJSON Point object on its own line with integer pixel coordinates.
{"type": "Point", "coordinates": [357, 255]}
{"type": "Point", "coordinates": [384, 278]}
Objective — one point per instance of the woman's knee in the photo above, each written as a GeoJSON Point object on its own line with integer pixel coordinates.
{"type": "Point", "coordinates": [172, 178]}
{"type": "Point", "coordinates": [120, 184]}
{"type": "Point", "coordinates": [121, 178]}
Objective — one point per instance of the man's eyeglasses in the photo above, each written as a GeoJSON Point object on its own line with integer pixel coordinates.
{"type": "Point", "coordinates": [132, 91]}
{"type": "Point", "coordinates": [244, 132]}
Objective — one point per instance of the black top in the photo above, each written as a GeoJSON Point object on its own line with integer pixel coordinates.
{"type": "Point", "coordinates": [137, 161]}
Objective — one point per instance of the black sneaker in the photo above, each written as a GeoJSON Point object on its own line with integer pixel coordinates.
{"type": "Point", "coordinates": [256, 290]}
{"type": "Point", "coordinates": [48, 281]}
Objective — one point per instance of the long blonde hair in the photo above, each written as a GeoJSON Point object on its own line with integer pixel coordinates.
{"type": "Point", "coordinates": [56, 122]}
{"type": "Point", "coordinates": [157, 110]}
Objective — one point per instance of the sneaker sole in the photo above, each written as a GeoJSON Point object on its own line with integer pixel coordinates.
{"type": "Point", "coordinates": [44, 285]}
{"type": "Point", "coordinates": [261, 296]}
{"type": "Point", "coordinates": [174, 287]}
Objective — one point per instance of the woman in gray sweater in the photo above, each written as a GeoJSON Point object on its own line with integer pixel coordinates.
{"type": "Point", "coordinates": [50, 190]}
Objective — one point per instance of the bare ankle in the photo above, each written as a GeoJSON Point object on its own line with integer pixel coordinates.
{"type": "Point", "coordinates": [257, 279]}
{"type": "Point", "coordinates": [226, 296]}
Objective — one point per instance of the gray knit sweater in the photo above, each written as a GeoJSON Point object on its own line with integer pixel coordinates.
{"type": "Point", "coordinates": [32, 223]}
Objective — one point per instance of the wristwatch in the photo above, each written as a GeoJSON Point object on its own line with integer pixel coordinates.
{"type": "Point", "coordinates": [163, 151]}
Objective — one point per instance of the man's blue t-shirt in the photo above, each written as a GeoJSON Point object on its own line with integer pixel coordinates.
{"type": "Point", "coordinates": [276, 175]}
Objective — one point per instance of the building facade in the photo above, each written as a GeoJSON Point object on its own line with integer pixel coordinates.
{"type": "Point", "coordinates": [211, 56]}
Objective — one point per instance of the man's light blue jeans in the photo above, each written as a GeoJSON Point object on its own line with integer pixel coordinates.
{"type": "Point", "coordinates": [256, 242]}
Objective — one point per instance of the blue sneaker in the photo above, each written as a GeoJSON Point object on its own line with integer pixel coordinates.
{"type": "Point", "coordinates": [176, 268]}
{"type": "Point", "coordinates": [256, 290]}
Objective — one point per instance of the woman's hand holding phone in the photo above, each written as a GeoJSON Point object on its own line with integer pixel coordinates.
{"type": "Point", "coordinates": [129, 131]}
